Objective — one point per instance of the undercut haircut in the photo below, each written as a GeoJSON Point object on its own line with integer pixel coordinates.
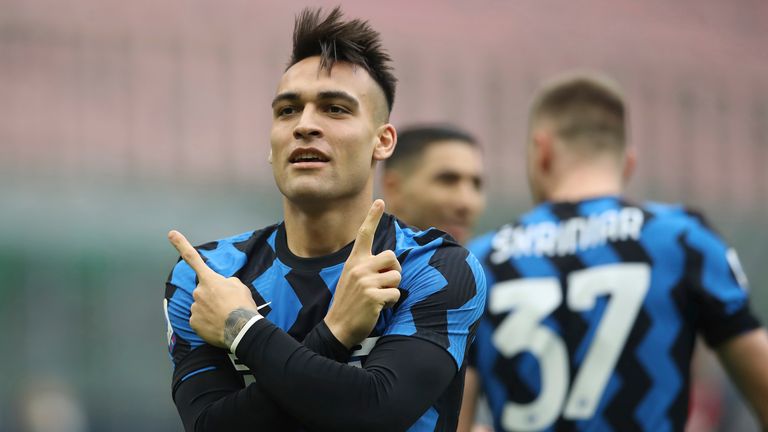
{"type": "Point", "coordinates": [412, 141]}
{"type": "Point", "coordinates": [587, 110]}
{"type": "Point", "coordinates": [352, 41]}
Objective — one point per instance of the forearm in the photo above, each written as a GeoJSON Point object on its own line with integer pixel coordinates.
{"type": "Point", "coordinates": [745, 357]}
{"type": "Point", "coordinates": [390, 393]}
{"type": "Point", "coordinates": [469, 400]}
{"type": "Point", "coordinates": [215, 399]}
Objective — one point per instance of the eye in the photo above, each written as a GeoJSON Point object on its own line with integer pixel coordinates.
{"type": "Point", "coordinates": [286, 111]}
{"type": "Point", "coordinates": [448, 178]}
{"type": "Point", "coordinates": [337, 109]}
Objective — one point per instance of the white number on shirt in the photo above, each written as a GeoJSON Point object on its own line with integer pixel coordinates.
{"type": "Point", "coordinates": [531, 300]}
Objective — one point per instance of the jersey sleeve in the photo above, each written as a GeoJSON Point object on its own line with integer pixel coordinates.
{"type": "Point", "coordinates": [444, 289]}
{"type": "Point", "coordinates": [177, 303]}
{"type": "Point", "coordinates": [717, 285]}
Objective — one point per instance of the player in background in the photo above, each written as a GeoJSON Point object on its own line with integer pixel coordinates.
{"type": "Point", "coordinates": [435, 179]}
{"type": "Point", "coordinates": [346, 318]}
{"type": "Point", "coordinates": [594, 301]}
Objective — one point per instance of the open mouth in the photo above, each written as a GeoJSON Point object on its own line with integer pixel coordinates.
{"type": "Point", "coordinates": [307, 156]}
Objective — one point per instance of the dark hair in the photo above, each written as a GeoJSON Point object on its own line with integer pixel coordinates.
{"type": "Point", "coordinates": [586, 107]}
{"type": "Point", "coordinates": [413, 140]}
{"type": "Point", "coordinates": [335, 40]}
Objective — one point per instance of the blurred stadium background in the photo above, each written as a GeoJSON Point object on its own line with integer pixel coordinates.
{"type": "Point", "coordinates": [122, 119]}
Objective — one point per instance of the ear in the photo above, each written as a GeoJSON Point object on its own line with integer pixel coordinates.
{"type": "Point", "coordinates": [385, 145]}
{"type": "Point", "coordinates": [269, 158]}
{"type": "Point", "coordinates": [543, 150]}
{"type": "Point", "coordinates": [630, 162]}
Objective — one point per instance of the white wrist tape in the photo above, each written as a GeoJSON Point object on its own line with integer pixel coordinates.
{"type": "Point", "coordinates": [245, 328]}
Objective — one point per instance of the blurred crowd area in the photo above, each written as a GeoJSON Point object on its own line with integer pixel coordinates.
{"type": "Point", "coordinates": [120, 120]}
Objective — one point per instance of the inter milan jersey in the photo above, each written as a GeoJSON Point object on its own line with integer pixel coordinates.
{"type": "Point", "coordinates": [592, 313]}
{"type": "Point", "coordinates": [297, 292]}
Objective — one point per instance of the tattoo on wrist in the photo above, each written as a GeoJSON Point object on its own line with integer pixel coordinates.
{"type": "Point", "coordinates": [235, 322]}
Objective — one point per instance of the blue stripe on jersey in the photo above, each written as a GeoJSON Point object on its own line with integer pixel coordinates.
{"type": "Point", "coordinates": [417, 259]}
{"type": "Point", "coordinates": [225, 259]}
{"type": "Point", "coordinates": [426, 422]}
{"type": "Point", "coordinates": [424, 281]}
{"type": "Point", "coordinates": [654, 351]}
{"type": "Point", "coordinates": [289, 304]}
{"type": "Point", "coordinates": [331, 275]}
{"type": "Point", "coordinates": [205, 369]}
{"type": "Point", "coordinates": [716, 277]}
{"type": "Point", "coordinates": [480, 247]}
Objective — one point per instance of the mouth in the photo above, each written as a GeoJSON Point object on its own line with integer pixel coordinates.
{"type": "Point", "coordinates": [308, 157]}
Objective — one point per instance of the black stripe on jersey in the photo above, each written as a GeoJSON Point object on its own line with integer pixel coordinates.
{"type": "Point", "coordinates": [506, 368]}
{"type": "Point", "coordinates": [447, 406]}
{"type": "Point", "coordinates": [450, 260]}
{"type": "Point", "coordinates": [431, 235]}
{"type": "Point", "coordinates": [180, 348]}
{"type": "Point", "coordinates": [711, 317]}
{"type": "Point", "coordinates": [386, 236]}
{"type": "Point", "coordinates": [701, 219]}
{"type": "Point", "coordinates": [261, 256]}
{"type": "Point", "coordinates": [403, 293]}
{"type": "Point", "coordinates": [635, 382]}
{"type": "Point", "coordinates": [682, 348]}
{"type": "Point", "coordinates": [574, 327]}
{"type": "Point", "coordinates": [631, 250]}
{"type": "Point", "coordinates": [314, 297]}
{"type": "Point", "coordinates": [170, 289]}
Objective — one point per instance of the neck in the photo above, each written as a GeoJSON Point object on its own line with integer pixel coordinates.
{"type": "Point", "coordinates": [314, 231]}
{"type": "Point", "coordinates": [585, 182]}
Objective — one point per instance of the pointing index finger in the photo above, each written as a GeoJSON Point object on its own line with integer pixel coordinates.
{"type": "Point", "coordinates": [189, 254]}
{"type": "Point", "coordinates": [364, 239]}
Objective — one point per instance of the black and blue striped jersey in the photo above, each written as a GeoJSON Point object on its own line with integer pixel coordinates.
{"type": "Point", "coordinates": [593, 310]}
{"type": "Point", "coordinates": [442, 297]}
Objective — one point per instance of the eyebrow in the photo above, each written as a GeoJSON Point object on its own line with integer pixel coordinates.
{"type": "Point", "coordinates": [288, 96]}
{"type": "Point", "coordinates": [323, 95]}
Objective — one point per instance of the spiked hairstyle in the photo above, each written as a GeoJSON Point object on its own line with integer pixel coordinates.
{"type": "Point", "coordinates": [335, 40]}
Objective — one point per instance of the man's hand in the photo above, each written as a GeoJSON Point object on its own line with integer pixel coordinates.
{"type": "Point", "coordinates": [222, 305]}
{"type": "Point", "coordinates": [367, 284]}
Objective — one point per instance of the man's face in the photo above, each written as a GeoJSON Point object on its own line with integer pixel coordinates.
{"type": "Point", "coordinates": [444, 189]}
{"type": "Point", "coordinates": [325, 129]}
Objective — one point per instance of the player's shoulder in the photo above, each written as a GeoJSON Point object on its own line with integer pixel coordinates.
{"type": "Point", "coordinates": [225, 256]}
{"type": "Point", "coordinates": [432, 259]}
{"type": "Point", "coordinates": [676, 215]}
{"type": "Point", "coordinates": [408, 239]}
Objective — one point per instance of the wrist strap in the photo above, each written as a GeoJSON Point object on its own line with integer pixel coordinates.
{"type": "Point", "coordinates": [245, 328]}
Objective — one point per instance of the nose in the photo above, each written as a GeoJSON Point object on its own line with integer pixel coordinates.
{"type": "Point", "coordinates": [307, 126]}
{"type": "Point", "coordinates": [469, 199]}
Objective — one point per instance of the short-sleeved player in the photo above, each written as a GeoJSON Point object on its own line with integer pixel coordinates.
{"type": "Point", "coordinates": [594, 302]}
{"type": "Point", "coordinates": [593, 311]}
{"type": "Point", "coordinates": [339, 318]}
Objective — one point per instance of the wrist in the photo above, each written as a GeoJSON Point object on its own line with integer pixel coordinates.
{"type": "Point", "coordinates": [338, 331]}
{"type": "Point", "coordinates": [235, 325]}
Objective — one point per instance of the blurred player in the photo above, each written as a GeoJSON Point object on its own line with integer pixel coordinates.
{"type": "Point", "coordinates": [594, 301]}
{"type": "Point", "coordinates": [337, 283]}
{"type": "Point", "coordinates": [435, 179]}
